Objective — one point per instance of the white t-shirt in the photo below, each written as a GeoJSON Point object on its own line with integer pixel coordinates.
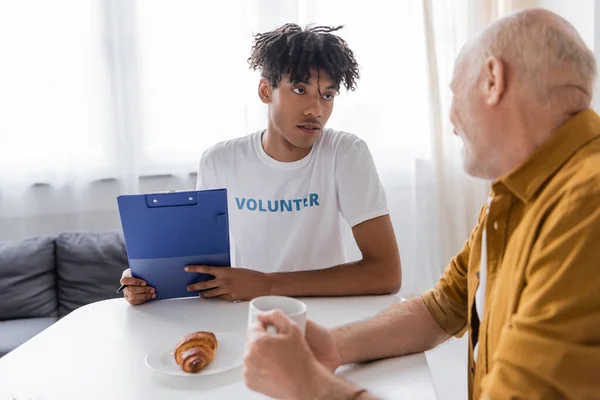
{"type": "Point", "coordinates": [480, 291]}
{"type": "Point", "coordinates": [288, 216]}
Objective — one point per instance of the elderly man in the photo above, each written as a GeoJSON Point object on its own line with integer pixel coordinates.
{"type": "Point", "coordinates": [526, 283]}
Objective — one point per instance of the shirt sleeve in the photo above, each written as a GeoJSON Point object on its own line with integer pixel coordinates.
{"type": "Point", "coordinates": [206, 173]}
{"type": "Point", "coordinates": [361, 196]}
{"type": "Point", "coordinates": [448, 300]}
{"type": "Point", "coordinates": [551, 346]}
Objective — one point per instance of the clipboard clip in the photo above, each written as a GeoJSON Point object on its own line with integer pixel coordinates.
{"type": "Point", "coordinates": [171, 199]}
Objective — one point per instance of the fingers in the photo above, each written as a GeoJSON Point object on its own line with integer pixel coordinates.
{"type": "Point", "coordinates": [139, 290]}
{"type": "Point", "coordinates": [215, 283]}
{"type": "Point", "coordinates": [250, 376]}
{"type": "Point", "coordinates": [252, 362]}
{"type": "Point", "coordinates": [279, 320]}
{"type": "Point", "coordinates": [131, 281]}
{"type": "Point", "coordinates": [257, 328]}
{"type": "Point", "coordinates": [139, 295]}
{"type": "Point", "coordinates": [227, 297]}
{"type": "Point", "coordinates": [204, 269]}
{"type": "Point", "coordinates": [127, 279]}
{"type": "Point", "coordinates": [257, 331]}
{"type": "Point", "coordinates": [216, 292]}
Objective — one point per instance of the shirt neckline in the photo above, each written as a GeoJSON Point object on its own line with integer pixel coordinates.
{"type": "Point", "coordinates": [280, 164]}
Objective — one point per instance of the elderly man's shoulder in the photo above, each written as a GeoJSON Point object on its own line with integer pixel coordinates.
{"type": "Point", "coordinates": [581, 174]}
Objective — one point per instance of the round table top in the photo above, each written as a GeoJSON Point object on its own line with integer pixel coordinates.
{"type": "Point", "coordinates": [98, 352]}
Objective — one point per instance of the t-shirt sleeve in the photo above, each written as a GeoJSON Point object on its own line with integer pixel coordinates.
{"type": "Point", "coordinates": [206, 173]}
{"type": "Point", "coordinates": [360, 194]}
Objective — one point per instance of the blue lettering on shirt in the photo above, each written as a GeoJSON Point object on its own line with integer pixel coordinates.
{"type": "Point", "coordinates": [273, 206]}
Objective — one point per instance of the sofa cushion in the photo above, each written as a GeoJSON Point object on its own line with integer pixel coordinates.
{"type": "Point", "coordinates": [18, 331]}
{"type": "Point", "coordinates": [89, 267]}
{"type": "Point", "coordinates": [27, 279]}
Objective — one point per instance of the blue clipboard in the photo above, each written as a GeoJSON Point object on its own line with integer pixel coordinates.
{"type": "Point", "coordinates": [164, 232]}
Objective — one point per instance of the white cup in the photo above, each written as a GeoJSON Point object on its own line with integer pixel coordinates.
{"type": "Point", "coordinates": [292, 308]}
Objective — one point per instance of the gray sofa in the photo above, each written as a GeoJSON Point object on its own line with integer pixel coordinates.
{"type": "Point", "coordinates": [43, 279]}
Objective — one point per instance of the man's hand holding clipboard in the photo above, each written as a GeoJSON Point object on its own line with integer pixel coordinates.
{"type": "Point", "coordinates": [166, 232]}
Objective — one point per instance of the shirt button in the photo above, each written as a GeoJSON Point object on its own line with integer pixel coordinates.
{"type": "Point", "coordinates": [495, 225]}
{"type": "Point", "coordinates": [477, 274]}
{"type": "Point", "coordinates": [472, 370]}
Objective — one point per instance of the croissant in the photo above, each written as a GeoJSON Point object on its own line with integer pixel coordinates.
{"type": "Point", "coordinates": [195, 351]}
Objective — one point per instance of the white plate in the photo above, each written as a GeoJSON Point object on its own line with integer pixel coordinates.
{"type": "Point", "coordinates": [229, 355]}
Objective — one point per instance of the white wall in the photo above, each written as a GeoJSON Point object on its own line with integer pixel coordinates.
{"type": "Point", "coordinates": [580, 13]}
{"type": "Point", "coordinates": [585, 17]}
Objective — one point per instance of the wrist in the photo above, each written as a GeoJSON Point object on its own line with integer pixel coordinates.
{"type": "Point", "coordinates": [336, 359]}
{"type": "Point", "coordinates": [339, 356]}
{"type": "Point", "coordinates": [324, 385]}
{"type": "Point", "coordinates": [270, 280]}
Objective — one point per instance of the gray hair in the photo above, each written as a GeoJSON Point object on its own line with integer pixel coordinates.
{"type": "Point", "coordinates": [545, 53]}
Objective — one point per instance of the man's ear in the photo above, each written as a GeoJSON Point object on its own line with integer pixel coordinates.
{"type": "Point", "coordinates": [494, 80]}
{"type": "Point", "coordinates": [265, 91]}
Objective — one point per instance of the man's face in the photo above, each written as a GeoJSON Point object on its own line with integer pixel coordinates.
{"type": "Point", "coordinates": [299, 111]}
{"type": "Point", "coordinates": [470, 118]}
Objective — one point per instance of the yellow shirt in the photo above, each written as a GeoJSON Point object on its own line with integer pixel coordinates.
{"type": "Point", "coordinates": [539, 335]}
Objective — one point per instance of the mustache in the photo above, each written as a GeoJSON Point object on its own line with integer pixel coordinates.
{"type": "Point", "coordinates": [311, 122]}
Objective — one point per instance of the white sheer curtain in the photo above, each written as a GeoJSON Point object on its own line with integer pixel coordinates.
{"type": "Point", "coordinates": [101, 97]}
{"type": "Point", "coordinates": [57, 131]}
{"type": "Point", "coordinates": [448, 25]}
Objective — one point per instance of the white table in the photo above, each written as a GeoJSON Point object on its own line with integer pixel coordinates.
{"type": "Point", "coordinates": [98, 351]}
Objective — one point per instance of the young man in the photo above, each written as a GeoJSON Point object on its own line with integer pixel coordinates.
{"type": "Point", "coordinates": [292, 185]}
{"type": "Point", "coordinates": [526, 284]}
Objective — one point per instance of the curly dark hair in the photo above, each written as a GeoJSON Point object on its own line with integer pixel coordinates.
{"type": "Point", "coordinates": [291, 49]}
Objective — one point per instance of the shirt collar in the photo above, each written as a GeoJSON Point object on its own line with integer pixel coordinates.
{"type": "Point", "coordinates": [526, 180]}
